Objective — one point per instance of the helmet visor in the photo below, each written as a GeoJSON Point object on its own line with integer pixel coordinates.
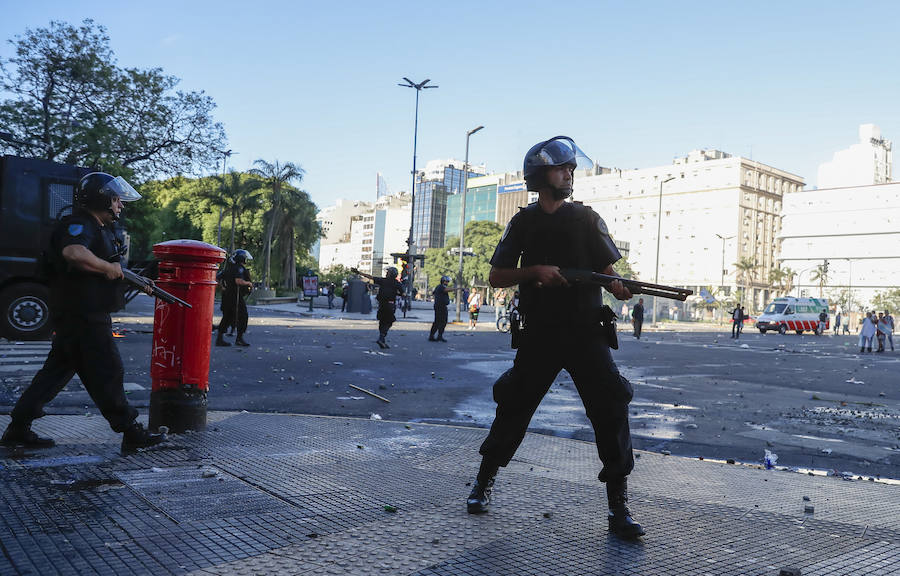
{"type": "Point", "coordinates": [120, 187]}
{"type": "Point", "coordinates": [562, 150]}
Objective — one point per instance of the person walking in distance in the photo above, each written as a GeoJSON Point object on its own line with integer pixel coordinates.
{"type": "Point", "coordinates": [737, 319]}
{"type": "Point", "coordinates": [84, 273]}
{"type": "Point", "coordinates": [637, 318]}
{"type": "Point", "coordinates": [565, 327]}
{"type": "Point", "coordinates": [441, 301]}
{"type": "Point", "coordinates": [389, 290]}
{"type": "Point", "coordinates": [474, 308]}
{"type": "Point", "coordinates": [236, 278]}
{"type": "Point", "coordinates": [889, 326]}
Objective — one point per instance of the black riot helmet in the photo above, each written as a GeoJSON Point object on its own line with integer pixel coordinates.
{"type": "Point", "coordinates": [95, 191]}
{"type": "Point", "coordinates": [242, 257]}
{"type": "Point", "coordinates": [445, 279]}
{"type": "Point", "coordinates": [391, 272]}
{"type": "Point", "coordinates": [557, 151]}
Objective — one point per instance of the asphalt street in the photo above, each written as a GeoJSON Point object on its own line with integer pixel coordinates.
{"type": "Point", "coordinates": [813, 402]}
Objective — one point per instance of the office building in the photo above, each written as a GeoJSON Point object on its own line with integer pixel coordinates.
{"type": "Point", "coordinates": [718, 213]}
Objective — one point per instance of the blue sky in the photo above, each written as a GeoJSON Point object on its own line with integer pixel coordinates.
{"type": "Point", "coordinates": [635, 84]}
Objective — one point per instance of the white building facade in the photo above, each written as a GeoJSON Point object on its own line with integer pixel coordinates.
{"type": "Point", "coordinates": [867, 162]}
{"type": "Point", "coordinates": [717, 210]}
{"type": "Point", "coordinates": [856, 229]}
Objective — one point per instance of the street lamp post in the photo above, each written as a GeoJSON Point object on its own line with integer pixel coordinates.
{"type": "Point", "coordinates": [410, 250]}
{"type": "Point", "coordinates": [462, 220]}
{"type": "Point", "coordinates": [724, 239]}
{"type": "Point", "coordinates": [658, 232]}
{"type": "Point", "coordinates": [722, 283]}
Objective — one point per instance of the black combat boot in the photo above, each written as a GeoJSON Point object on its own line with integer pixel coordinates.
{"type": "Point", "coordinates": [381, 343]}
{"type": "Point", "coordinates": [239, 341]}
{"type": "Point", "coordinates": [23, 435]}
{"type": "Point", "coordinates": [220, 340]}
{"type": "Point", "coordinates": [136, 436]}
{"type": "Point", "coordinates": [480, 498]}
{"type": "Point", "coordinates": [620, 521]}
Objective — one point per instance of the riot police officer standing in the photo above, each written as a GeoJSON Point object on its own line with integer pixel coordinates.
{"type": "Point", "coordinates": [84, 273]}
{"type": "Point", "coordinates": [441, 302]}
{"type": "Point", "coordinates": [565, 327]}
{"type": "Point", "coordinates": [389, 289]}
{"type": "Point", "coordinates": [237, 285]}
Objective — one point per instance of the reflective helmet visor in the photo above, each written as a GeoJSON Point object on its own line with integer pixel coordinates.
{"type": "Point", "coordinates": [561, 150]}
{"type": "Point", "coordinates": [120, 187]}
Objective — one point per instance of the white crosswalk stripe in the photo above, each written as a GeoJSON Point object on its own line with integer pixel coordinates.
{"type": "Point", "coordinates": [20, 361]}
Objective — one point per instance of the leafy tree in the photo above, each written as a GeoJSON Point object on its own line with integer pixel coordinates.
{"type": "Point", "coordinates": [71, 103]}
{"type": "Point", "coordinates": [275, 177]}
{"type": "Point", "coordinates": [482, 237]}
{"type": "Point", "coordinates": [887, 300]}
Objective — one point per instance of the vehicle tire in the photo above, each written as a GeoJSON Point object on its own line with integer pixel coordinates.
{"type": "Point", "coordinates": [762, 331]}
{"type": "Point", "coordinates": [782, 329]}
{"type": "Point", "coordinates": [503, 324]}
{"type": "Point", "coordinates": [26, 312]}
{"type": "Point", "coordinates": [799, 331]}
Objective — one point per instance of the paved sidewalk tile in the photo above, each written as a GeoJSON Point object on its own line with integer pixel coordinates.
{"type": "Point", "coordinates": [293, 494]}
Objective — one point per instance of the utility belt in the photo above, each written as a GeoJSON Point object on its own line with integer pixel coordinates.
{"type": "Point", "coordinates": [602, 324]}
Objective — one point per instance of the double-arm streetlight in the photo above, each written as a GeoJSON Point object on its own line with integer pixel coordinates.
{"type": "Point", "coordinates": [658, 231]}
{"type": "Point", "coordinates": [410, 250]}
{"type": "Point", "coordinates": [462, 219]}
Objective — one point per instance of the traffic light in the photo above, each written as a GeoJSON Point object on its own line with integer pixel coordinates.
{"type": "Point", "coordinates": [404, 268]}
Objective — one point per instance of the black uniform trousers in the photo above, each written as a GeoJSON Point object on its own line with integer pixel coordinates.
{"type": "Point", "coordinates": [638, 325]}
{"type": "Point", "coordinates": [87, 349]}
{"type": "Point", "coordinates": [386, 317]}
{"type": "Point", "coordinates": [604, 392]}
{"type": "Point", "coordinates": [234, 313]}
{"type": "Point", "coordinates": [440, 322]}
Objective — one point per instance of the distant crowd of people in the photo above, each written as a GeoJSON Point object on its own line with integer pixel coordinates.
{"type": "Point", "coordinates": [878, 326]}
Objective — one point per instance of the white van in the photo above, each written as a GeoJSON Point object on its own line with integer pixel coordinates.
{"type": "Point", "coordinates": [797, 314]}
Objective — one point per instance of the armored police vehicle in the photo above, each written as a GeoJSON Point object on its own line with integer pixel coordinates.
{"type": "Point", "coordinates": [33, 195]}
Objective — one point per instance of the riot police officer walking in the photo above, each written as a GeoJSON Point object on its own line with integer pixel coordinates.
{"type": "Point", "coordinates": [441, 302]}
{"type": "Point", "coordinates": [389, 289]}
{"type": "Point", "coordinates": [237, 285]}
{"type": "Point", "coordinates": [84, 272]}
{"type": "Point", "coordinates": [565, 327]}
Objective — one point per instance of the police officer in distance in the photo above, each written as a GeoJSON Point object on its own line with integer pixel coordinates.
{"type": "Point", "coordinates": [84, 272]}
{"type": "Point", "coordinates": [237, 285]}
{"type": "Point", "coordinates": [441, 302]}
{"type": "Point", "coordinates": [389, 289]}
{"type": "Point", "coordinates": [562, 327]}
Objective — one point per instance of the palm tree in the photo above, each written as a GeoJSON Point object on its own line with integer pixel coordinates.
{"type": "Point", "coordinates": [275, 177]}
{"type": "Point", "coordinates": [782, 280]}
{"type": "Point", "coordinates": [746, 270]}
{"type": "Point", "coordinates": [240, 194]}
{"type": "Point", "coordinates": [297, 227]}
{"type": "Point", "coordinates": [820, 277]}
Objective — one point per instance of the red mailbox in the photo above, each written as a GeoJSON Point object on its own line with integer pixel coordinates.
{"type": "Point", "coordinates": [181, 336]}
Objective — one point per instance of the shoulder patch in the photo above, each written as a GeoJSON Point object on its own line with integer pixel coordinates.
{"type": "Point", "coordinates": [75, 229]}
{"type": "Point", "coordinates": [602, 226]}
